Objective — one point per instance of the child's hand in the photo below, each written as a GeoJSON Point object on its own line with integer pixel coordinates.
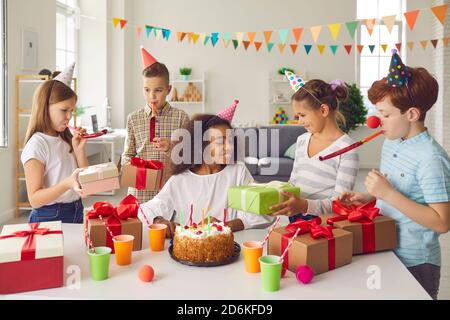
{"type": "Point", "coordinates": [377, 185]}
{"type": "Point", "coordinates": [170, 231]}
{"type": "Point", "coordinates": [356, 198]}
{"type": "Point", "coordinates": [78, 142]}
{"type": "Point", "coordinates": [292, 206]}
{"type": "Point", "coordinates": [162, 144]}
{"type": "Point", "coordinates": [71, 182]}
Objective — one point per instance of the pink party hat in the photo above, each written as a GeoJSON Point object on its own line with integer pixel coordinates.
{"type": "Point", "coordinates": [147, 58]}
{"type": "Point", "coordinates": [228, 113]}
{"type": "Point", "coordinates": [67, 75]}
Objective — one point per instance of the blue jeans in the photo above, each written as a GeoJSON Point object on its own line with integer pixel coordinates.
{"type": "Point", "coordinates": [305, 217]}
{"type": "Point", "coordinates": [66, 212]}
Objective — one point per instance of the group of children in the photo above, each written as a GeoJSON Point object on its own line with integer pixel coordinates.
{"type": "Point", "coordinates": [412, 185]}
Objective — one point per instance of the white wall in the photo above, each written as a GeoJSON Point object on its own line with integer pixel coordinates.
{"type": "Point", "coordinates": [44, 24]}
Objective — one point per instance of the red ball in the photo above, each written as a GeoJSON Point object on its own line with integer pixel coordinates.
{"type": "Point", "coordinates": [304, 274]}
{"type": "Point", "coordinates": [373, 122]}
{"type": "Point", "coordinates": [146, 273]}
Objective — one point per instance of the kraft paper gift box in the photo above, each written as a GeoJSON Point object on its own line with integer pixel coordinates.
{"type": "Point", "coordinates": [323, 248]}
{"type": "Point", "coordinates": [372, 232]}
{"type": "Point", "coordinates": [99, 178]}
{"type": "Point", "coordinates": [143, 174]}
{"type": "Point", "coordinates": [122, 219]}
{"type": "Point", "coordinates": [31, 257]}
{"type": "Point", "coordinates": [258, 198]}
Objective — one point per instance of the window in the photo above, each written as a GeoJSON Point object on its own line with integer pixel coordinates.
{"type": "Point", "coordinates": [3, 78]}
{"type": "Point", "coordinates": [374, 66]}
{"type": "Point", "coordinates": [67, 14]}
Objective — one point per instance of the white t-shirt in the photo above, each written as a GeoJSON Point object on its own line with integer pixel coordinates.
{"type": "Point", "coordinates": [203, 191]}
{"type": "Point", "coordinates": [59, 163]}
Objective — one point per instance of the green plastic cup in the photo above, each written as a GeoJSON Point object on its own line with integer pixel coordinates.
{"type": "Point", "coordinates": [99, 263]}
{"type": "Point", "coordinates": [270, 272]}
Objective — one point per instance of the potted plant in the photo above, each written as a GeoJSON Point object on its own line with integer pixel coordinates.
{"type": "Point", "coordinates": [353, 109]}
{"type": "Point", "coordinates": [283, 70]}
{"type": "Point", "coordinates": [185, 73]}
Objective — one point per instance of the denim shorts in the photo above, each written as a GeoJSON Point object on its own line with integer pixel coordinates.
{"type": "Point", "coordinates": [66, 212]}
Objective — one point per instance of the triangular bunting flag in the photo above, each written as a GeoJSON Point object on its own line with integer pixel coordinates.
{"type": "Point", "coordinates": [269, 46]}
{"type": "Point", "coordinates": [235, 44]}
{"type": "Point", "coordinates": [424, 44]}
{"type": "Point", "coordinates": [411, 18]}
{"type": "Point", "coordinates": [321, 48]}
{"type": "Point", "coordinates": [205, 41]}
{"type": "Point", "coordinates": [399, 46]}
{"type": "Point", "coordinates": [370, 24]}
{"type": "Point", "coordinates": [251, 36]}
{"type": "Point", "coordinates": [227, 36]}
{"type": "Point", "coordinates": [281, 47]}
{"type": "Point", "coordinates": [297, 32]}
{"type": "Point", "coordinates": [123, 23]}
{"type": "Point", "coordinates": [226, 43]}
{"type": "Point", "coordinates": [360, 48]}
{"type": "Point", "coordinates": [334, 49]}
{"type": "Point", "coordinates": [282, 33]}
{"type": "Point", "coordinates": [258, 45]}
{"type": "Point", "coordinates": [148, 29]}
{"type": "Point", "coordinates": [246, 44]}
{"type": "Point", "coordinates": [384, 47]}
{"type": "Point", "coordinates": [155, 32]}
{"type": "Point", "coordinates": [351, 27]}
{"type": "Point", "coordinates": [440, 12]}
{"type": "Point", "coordinates": [446, 41]}
{"type": "Point", "coordinates": [334, 30]}
{"type": "Point", "coordinates": [239, 36]}
{"type": "Point", "coordinates": [195, 37]}
{"type": "Point", "coordinates": [410, 45]}
{"type": "Point", "coordinates": [116, 22]}
{"type": "Point", "coordinates": [267, 36]}
{"type": "Point", "coordinates": [434, 42]}
{"type": "Point", "coordinates": [315, 32]}
{"type": "Point", "coordinates": [293, 47]}
{"type": "Point", "coordinates": [158, 33]}
{"type": "Point", "coordinates": [348, 48]}
{"type": "Point", "coordinates": [389, 22]}
{"type": "Point", "coordinates": [180, 36]}
{"type": "Point", "coordinates": [214, 38]}
{"type": "Point", "coordinates": [308, 48]}
{"type": "Point", "coordinates": [190, 36]}
{"type": "Point", "coordinates": [166, 34]}
{"type": "Point", "coordinates": [138, 31]}
{"type": "Point", "coordinates": [371, 48]}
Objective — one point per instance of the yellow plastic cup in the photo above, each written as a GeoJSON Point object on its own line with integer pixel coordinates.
{"type": "Point", "coordinates": [123, 247]}
{"type": "Point", "coordinates": [253, 250]}
{"type": "Point", "coordinates": [157, 236]}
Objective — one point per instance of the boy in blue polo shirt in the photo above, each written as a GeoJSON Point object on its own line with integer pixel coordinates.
{"type": "Point", "coordinates": [413, 184]}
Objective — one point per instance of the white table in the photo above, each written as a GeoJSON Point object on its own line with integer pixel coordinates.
{"type": "Point", "coordinates": [176, 281]}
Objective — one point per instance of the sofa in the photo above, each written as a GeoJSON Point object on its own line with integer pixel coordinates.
{"type": "Point", "coordinates": [262, 149]}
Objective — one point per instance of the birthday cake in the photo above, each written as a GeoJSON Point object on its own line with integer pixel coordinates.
{"type": "Point", "coordinates": [197, 243]}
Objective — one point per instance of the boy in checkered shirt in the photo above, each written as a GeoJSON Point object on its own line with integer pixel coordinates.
{"type": "Point", "coordinates": [149, 128]}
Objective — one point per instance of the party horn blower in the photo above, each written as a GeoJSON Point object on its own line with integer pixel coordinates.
{"type": "Point", "coordinates": [270, 231]}
{"type": "Point", "coordinates": [289, 244]}
{"type": "Point", "coordinates": [372, 122]}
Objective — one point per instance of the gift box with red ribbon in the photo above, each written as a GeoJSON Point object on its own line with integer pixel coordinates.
{"type": "Point", "coordinates": [99, 178]}
{"type": "Point", "coordinates": [372, 231]}
{"type": "Point", "coordinates": [122, 219]}
{"type": "Point", "coordinates": [323, 248]}
{"type": "Point", "coordinates": [31, 257]}
{"type": "Point", "coordinates": [143, 174]}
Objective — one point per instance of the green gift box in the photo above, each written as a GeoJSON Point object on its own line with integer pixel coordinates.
{"type": "Point", "coordinates": [258, 198]}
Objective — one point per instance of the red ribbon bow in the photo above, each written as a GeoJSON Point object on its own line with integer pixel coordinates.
{"type": "Point", "coordinates": [29, 246]}
{"type": "Point", "coordinates": [364, 214]}
{"type": "Point", "coordinates": [141, 173]}
{"type": "Point", "coordinates": [317, 231]}
{"type": "Point", "coordinates": [128, 208]}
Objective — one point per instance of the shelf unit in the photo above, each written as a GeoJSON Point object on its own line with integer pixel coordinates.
{"type": "Point", "coordinates": [280, 93]}
{"type": "Point", "coordinates": [191, 107]}
{"type": "Point", "coordinates": [23, 112]}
